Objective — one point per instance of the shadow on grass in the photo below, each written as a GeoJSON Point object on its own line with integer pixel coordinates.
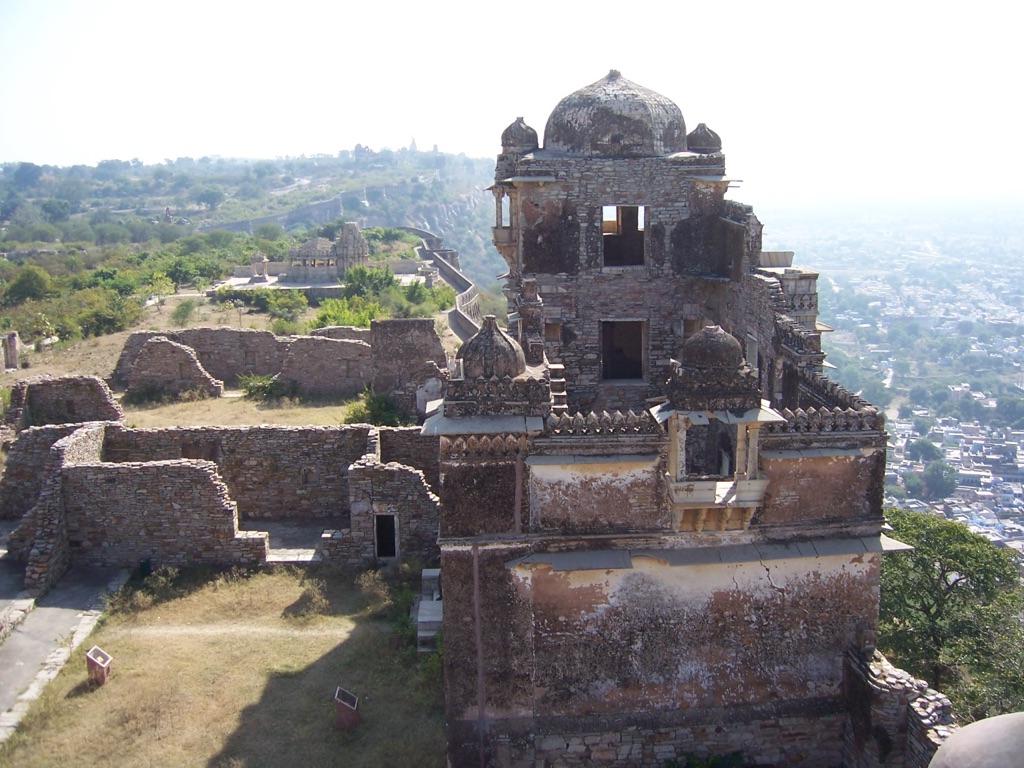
{"type": "Point", "coordinates": [293, 723]}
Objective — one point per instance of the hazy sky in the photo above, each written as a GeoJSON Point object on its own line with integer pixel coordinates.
{"type": "Point", "coordinates": [817, 100]}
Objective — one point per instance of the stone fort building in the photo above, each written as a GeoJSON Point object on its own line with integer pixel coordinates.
{"type": "Point", "coordinates": [660, 525]}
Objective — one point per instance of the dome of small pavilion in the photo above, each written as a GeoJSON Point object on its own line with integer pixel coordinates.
{"type": "Point", "coordinates": [519, 137]}
{"type": "Point", "coordinates": [712, 347]}
{"type": "Point", "coordinates": [615, 117]}
{"type": "Point", "coordinates": [703, 140]}
{"type": "Point", "coordinates": [491, 353]}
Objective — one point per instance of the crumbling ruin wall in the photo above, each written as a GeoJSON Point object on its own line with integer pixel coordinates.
{"type": "Point", "coordinates": [409, 446]}
{"type": "Point", "coordinates": [409, 354]}
{"type": "Point", "coordinates": [165, 367]}
{"type": "Point", "coordinates": [385, 488]}
{"type": "Point", "coordinates": [893, 719]}
{"type": "Point", "coordinates": [42, 539]}
{"type": "Point", "coordinates": [174, 512]}
{"type": "Point", "coordinates": [223, 352]}
{"type": "Point", "coordinates": [346, 332]}
{"type": "Point", "coordinates": [26, 468]}
{"type": "Point", "coordinates": [320, 367]}
{"type": "Point", "coordinates": [272, 472]}
{"type": "Point", "coordinates": [63, 400]}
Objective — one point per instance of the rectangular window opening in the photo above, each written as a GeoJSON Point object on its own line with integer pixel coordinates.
{"type": "Point", "coordinates": [622, 231]}
{"type": "Point", "coordinates": [622, 349]}
{"type": "Point", "coordinates": [385, 539]}
{"type": "Point", "coordinates": [552, 332]}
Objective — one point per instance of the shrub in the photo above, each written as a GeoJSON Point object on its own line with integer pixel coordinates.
{"type": "Point", "coordinates": [379, 410]}
{"type": "Point", "coordinates": [263, 387]}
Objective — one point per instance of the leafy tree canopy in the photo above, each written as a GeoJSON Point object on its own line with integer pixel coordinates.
{"type": "Point", "coordinates": [950, 613]}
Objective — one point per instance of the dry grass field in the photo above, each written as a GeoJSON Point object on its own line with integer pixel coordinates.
{"type": "Point", "coordinates": [238, 671]}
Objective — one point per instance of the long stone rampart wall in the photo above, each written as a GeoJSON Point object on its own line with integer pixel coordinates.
{"type": "Point", "coordinates": [272, 472]}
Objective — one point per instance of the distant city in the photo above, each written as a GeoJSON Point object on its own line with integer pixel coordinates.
{"type": "Point", "coordinates": [928, 312]}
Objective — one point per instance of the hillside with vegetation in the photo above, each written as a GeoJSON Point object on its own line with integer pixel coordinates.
{"type": "Point", "coordinates": [86, 248]}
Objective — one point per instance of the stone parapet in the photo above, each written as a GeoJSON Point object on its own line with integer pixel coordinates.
{"type": "Point", "coordinates": [605, 423]}
{"type": "Point", "coordinates": [825, 420]}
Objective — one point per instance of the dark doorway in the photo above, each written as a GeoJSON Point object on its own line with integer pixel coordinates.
{"type": "Point", "coordinates": [622, 349]}
{"type": "Point", "coordinates": [384, 530]}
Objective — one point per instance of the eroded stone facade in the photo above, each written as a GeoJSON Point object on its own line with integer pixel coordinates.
{"type": "Point", "coordinates": [660, 524]}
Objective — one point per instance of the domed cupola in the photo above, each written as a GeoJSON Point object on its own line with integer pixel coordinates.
{"type": "Point", "coordinates": [703, 140]}
{"type": "Point", "coordinates": [711, 347]}
{"type": "Point", "coordinates": [519, 138]}
{"type": "Point", "coordinates": [492, 353]}
{"type": "Point", "coordinates": [712, 375]}
{"type": "Point", "coordinates": [616, 118]}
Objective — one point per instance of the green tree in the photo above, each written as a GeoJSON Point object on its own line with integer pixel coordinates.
{"type": "Point", "coordinates": [923, 449]}
{"type": "Point", "coordinates": [950, 612]}
{"type": "Point", "coordinates": [32, 282]}
{"type": "Point", "coordinates": [182, 314]}
{"type": "Point", "coordinates": [211, 197]}
{"type": "Point", "coordinates": [939, 480]}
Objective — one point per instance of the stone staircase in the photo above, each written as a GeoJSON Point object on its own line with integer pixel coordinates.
{"type": "Point", "coordinates": [559, 404]}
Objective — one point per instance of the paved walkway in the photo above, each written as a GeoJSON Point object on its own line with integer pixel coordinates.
{"type": "Point", "coordinates": [51, 629]}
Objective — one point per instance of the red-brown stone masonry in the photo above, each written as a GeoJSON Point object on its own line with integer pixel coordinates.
{"type": "Point", "coordinates": [822, 489]}
{"type": "Point", "coordinates": [272, 472]}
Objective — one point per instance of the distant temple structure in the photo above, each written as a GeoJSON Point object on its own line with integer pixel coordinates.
{"type": "Point", "coordinates": [321, 260]}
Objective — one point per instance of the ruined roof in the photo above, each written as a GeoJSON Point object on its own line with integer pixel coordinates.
{"type": "Point", "coordinates": [615, 117]}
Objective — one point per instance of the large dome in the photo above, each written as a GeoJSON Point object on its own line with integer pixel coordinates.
{"type": "Point", "coordinates": [616, 118]}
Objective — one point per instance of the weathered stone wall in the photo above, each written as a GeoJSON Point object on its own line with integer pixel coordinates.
{"type": "Point", "coordinates": [175, 512]}
{"type": "Point", "coordinates": [347, 332]}
{"type": "Point", "coordinates": [638, 665]}
{"type": "Point", "coordinates": [818, 486]}
{"type": "Point", "coordinates": [320, 367]}
{"type": "Point", "coordinates": [596, 495]}
{"type": "Point", "coordinates": [893, 719]}
{"type": "Point", "coordinates": [394, 489]}
{"type": "Point", "coordinates": [272, 472]}
{"type": "Point", "coordinates": [165, 367]}
{"type": "Point", "coordinates": [407, 445]}
{"type": "Point", "coordinates": [42, 540]}
{"type": "Point", "coordinates": [223, 352]}
{"type": "Point", "coordinates": [64, 400]}
{"type": "Point", "coordinates": [26, 468]}
{"type": "Point", "coordinates": [409, 359]}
